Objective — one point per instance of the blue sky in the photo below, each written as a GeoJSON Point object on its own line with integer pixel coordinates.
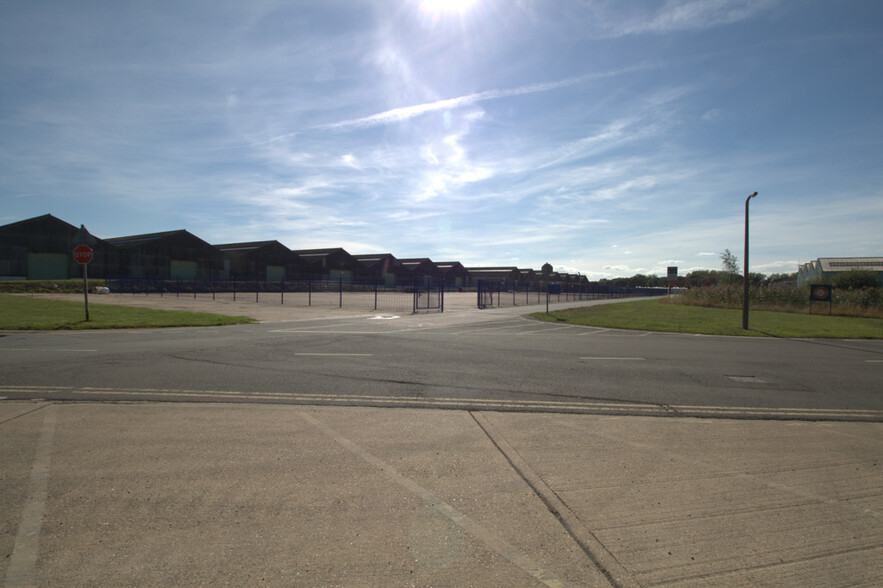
{"type": "Point", "coordinates": [606, 137]}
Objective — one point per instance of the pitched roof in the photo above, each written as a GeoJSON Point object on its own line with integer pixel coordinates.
{"type": "Point", "coordinates": [845, 264]}
{"type": "Point", "coordinates": [132, 240]}
{"type": "Point", "coordinates": [249, 246]}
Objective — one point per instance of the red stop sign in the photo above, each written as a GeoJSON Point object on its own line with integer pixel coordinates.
{"type": "Point", "coordinates": [82, 254]}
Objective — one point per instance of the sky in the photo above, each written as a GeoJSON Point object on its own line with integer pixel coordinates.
{"type": "Point", "coordinates": [608, 138]}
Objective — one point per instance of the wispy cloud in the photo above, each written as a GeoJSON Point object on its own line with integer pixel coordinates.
{"type": "Point", "coordinates": [679, 15]}
{"type": "Point", "coordinates": [407, 112]}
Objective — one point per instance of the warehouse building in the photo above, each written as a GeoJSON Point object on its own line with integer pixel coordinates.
{"type": "Point", "coordinates": [825, 269]}
{"type": "Point", "coordinates": [378, 268]}
{"type": "Point", "coordinates": [41, 248]}
{"type": "Point", "coordinates": [453, 273]}
{"type": "Point", "coordinates": [505, 277]}
{"type": "Point", "coordinates": [419, 269]}
{"type": "Point", "coordinates": [334, 264]}
{"type": "Point", "coordinates": [264, 260]}
{"type": "Point", "coordinates": [169, 255]}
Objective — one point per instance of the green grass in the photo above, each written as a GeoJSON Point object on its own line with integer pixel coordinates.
{"type": "Point", "coordinates": [26, 313]}
{"type": "Point", "coordinates": [659, 315]}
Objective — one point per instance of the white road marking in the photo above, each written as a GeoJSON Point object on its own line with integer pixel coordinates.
{"type": "Point", "coordinates": [336, 354]}
{"type": "Point", "coordinates": [614, 358]}
{"type": "Point", "coordinates": [50, 349]}
{"type": "Point", "coordinates": [599, 407]}
{"type": "Point", "coordinates": [594, 332]}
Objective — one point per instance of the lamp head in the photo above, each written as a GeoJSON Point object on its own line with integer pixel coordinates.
{"type": "Point", "coordinates": [752, 195]}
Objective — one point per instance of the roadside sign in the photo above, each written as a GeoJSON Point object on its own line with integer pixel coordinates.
{"type": "Point", "coordinates": [820, 293]}
{"type": "Point", "coordinates": [672, 275]}
{"type": "Point", "coordinates": [82, 254]}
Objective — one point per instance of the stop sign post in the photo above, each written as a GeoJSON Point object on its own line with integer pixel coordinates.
{"type": "Point", "coordinates": [83, 255]}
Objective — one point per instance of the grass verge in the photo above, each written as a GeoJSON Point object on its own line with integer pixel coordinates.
{"type": "Point", "coordinates": [660, 315]}
{"type": "Point", "coordinates": [25, 313]}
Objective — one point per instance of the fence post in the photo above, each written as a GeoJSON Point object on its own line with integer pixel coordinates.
{"type": "Point", "coordinates": [416, 295]}
{"type": "Point", "coordinates": [234, 288]}
{"type": "Point", "coordinates": [310, 292]}
{"type": "Point", "coordinates": [213, 288]}
{"type": "Point", "coordinates": [375, 294]}
{"type": "Point", "coordinates": [441, 292]}
{"type": "Point", "coordinates": [282, 291]}
{"type": "Point", "coordinates": [177, 287]}
{"type": "Point", "coordinates": [257, 288]}
{"type": "Point", "coordinates": [340, 285]}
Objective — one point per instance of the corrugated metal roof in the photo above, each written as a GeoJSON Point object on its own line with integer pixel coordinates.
{"type": "Point", "coordinates": [846, 264]}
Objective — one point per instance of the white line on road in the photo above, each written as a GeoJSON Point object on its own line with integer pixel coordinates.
{"type": "Point", "coordinates": [599, 407]}
{"type": "Point", "coordinates": [593, 332]}
{"type": "Point", "coordinates": [544, 330]}
{"type": "Point", "coordinates": [336, 354]}
{"type": "Point", "coordinates": [614, 358]}
{"type": "Point", "coordinates": [50, 349]}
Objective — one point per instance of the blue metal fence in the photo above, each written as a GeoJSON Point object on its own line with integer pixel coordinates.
{"type": "Point", "coordinates": [495, 294]}
{"type": "Point", "coordinates": [418, 297]}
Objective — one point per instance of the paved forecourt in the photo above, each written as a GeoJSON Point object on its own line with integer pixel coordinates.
{"type": "Point", "coordinates": [270, 307]}
{"type": "Point", "coordinates": [204, 494]}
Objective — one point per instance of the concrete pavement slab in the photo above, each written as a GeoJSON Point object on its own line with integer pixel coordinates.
{"type": "Point", "coordinates": [717, 502]}
{"type": "Point", "coordinates": [200, 494]}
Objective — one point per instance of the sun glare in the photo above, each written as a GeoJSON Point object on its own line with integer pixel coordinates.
{"type": "Point", "coordinates": [446, 6]}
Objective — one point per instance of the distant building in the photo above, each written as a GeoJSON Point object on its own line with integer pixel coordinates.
{"type": "Point", "coordinates": [420, 269]}
{"type": "Point", "coordinates": [264, 260]}
{"type": "Point", "coordinates": [453, 273]}
{"type": "Point", "coordinates": [378, 268]}
{"type": "Point", "coordinates": [334, 264]}
{"type": "Point", "coordinates": [41, 248]}
{"type": "Point", "coordinates": [169, 255]}
{"type": "Point", "coordinates": [505, 277]}
{"type": "Point", "coordinates": [825, 269]}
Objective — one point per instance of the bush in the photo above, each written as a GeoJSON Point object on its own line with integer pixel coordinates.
{"type": "Point", "coordinates": [48, 286]}
{"type": "Point", "coordinates": [856, 279]}
{"type": "Point", "coordinates": [785, 297]}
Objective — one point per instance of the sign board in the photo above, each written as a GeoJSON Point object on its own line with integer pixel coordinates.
{"type": "Point", "coordinates": [820, 293]}
{"type": "Point", "coordinates": [82, 254]}
{"type": "Point", "coordinates": [672, 275]}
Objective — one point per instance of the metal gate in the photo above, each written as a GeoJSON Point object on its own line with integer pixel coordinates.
{"type": "Point", "coordinates": [487, 292]}
{"type": "Point", "coordinates": [429, 296]}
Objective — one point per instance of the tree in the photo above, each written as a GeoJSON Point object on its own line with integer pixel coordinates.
{"type": "Point", "coordinates": [856, 279]}
{"type": "Point", "coordinates": [730, 262]}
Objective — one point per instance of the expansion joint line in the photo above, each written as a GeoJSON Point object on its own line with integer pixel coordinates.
{"type": "Point", "coordinates": [21, 570]}
{"type": "Point", "coordinates": [605, 561]}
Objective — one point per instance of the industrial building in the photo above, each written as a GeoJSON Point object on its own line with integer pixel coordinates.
{"type": "Point", "coordinates": [41, 248]}
{"type": "Point", "coordinates": [825, 269]}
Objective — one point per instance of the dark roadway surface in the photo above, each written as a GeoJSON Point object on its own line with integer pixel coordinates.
{"type": "Point", "coordinates": [495, 360]}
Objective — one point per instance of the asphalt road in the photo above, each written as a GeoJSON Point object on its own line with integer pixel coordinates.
{"type": "Point", "coordinates": [492, 360]}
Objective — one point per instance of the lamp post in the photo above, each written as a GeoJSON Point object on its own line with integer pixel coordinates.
{"type": "Point", "coordinates": [745, 277]}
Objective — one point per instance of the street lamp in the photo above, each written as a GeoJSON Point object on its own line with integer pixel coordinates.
{"type": "Point", "coordinates": [745, 277]}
